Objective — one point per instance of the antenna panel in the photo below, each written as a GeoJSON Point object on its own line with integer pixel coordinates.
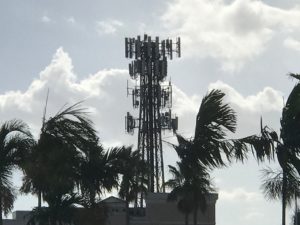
{"type": "Point", "coordinates": [126, 47]}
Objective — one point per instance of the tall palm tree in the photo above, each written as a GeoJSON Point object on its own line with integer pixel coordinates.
{"type": "Point", "coordinates": [53, 167]}
{"type": "Point", "coordinates": [210, 148]}
{"type": "Point", "coordinates": [286, 147]}
{"type": "Point", "coordinates": [204, 151]}
{"type": "Point", "coordinates": [15, 142]}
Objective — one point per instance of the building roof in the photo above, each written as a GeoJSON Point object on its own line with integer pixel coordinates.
{"type": "Point", "coordinates": [113, 199]}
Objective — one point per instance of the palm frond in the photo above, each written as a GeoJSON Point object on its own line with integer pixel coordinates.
{"type": "Point", "coordinates": [8, 196]}
{"type": "Point", "coordinates": [14, 125]}
{"type": "Point", "coordinates": [263, 146]}
{"type": "Point", "coordinates": [290, 121]}
{"type": "Point", "coordinates": [72, 125]}
{"type": "Point", "coordinates": [214, 116]}
{"type": "Point", "coordinates": [272, 184]}
{"type": "Point", "coordinates": [294, 75]}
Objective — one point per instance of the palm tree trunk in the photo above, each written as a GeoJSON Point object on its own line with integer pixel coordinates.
{"type": "Point", "coordinates": [1, 219]}
{"type": "Point", "coordinates": [40, 200]}
{"type": "Point", "coordinates": [127, 212]}
{"type": "Point", "coordinates": [186, 218]}
{"type": "Point", "coordinates": [284, 181]}
{"type": "Point", "coordinates": [195, 215]}
{"type": "Point", "coordinates": [296, 210]}
{"type": "Point", "coordinates": [92, 199]}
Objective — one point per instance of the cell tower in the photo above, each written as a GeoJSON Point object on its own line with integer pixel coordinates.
{"type": "Point", "coordinates": [153, 97]}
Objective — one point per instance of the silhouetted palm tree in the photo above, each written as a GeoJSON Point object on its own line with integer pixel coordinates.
{"type": "Point", "coordinates": [210, 148]}
{"type": "Point", "coordinates": [53, 167]}
{"type": "Point", "coordinates": [60, 211]}
{"type": "Point", "coordinates": [190, 185]}
{"type": "Point", "coordinates": [278, 185]}
{"type": "Point", "coordinates": [132, 168]}
{"type": "Point", "coordinates": [204, 151]}
{"type": "Point", "coordinates": [98, 173]}
{"type": "Point", "coordinates": [273, 182]}
{"type": "Point", "coordinates": [15, 142]}
{"type": "Point", "coordinates": [210, 144]}
{"type": "Point", "coordinates": [296, 217]}
{"type": "Point", "coordinates": [285, 146]}
{"type": "Point", "coordinates": [180, 192]}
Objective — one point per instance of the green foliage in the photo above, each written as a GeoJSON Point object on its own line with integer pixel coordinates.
{"type": "Point", "coordinates": [189, 186]}
{"type": "Point", "coordinates": [133, 170]}
{"type": "Point", "coordinates": [98, 172]}
{"type": "Point", "coordinates": [60, 211]}
{"type": "Point", "coordinates": [15, 142]}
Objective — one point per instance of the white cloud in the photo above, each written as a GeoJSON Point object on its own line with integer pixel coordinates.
{"type": "Point", "coordinates": [233, 33]}
{"type": "Point", "coordinates": [254, 215]}
{"type": "Point", "coordinates": [46, 19]}
{"type": "Point", "coordinates": [291, 43]}
{"type": "Point", "coordinates": [71, 20]}
{"type": "Point", "coordinates": [103, 93]}
{"type": "Point", "coordinates": [239, 194]}
{"type": "Point", "coordinates": [264, 101]}
{"type": "Point", "coordinates": [108, 26]}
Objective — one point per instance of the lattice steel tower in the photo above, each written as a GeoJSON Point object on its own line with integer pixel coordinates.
{"type": "Point", "coordinates": [153, 97]}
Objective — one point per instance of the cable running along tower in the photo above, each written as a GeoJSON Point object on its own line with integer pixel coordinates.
{"type": "Point", "coordinates": [152, 96]}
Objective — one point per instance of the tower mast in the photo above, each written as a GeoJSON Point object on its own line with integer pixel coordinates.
{"type": "Point", "coordinates": [152, 96]}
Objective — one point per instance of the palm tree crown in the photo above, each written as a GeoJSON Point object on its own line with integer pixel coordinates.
{"type": "Point", "coordinates": [15, 142]}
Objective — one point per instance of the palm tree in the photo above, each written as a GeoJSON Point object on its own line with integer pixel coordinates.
{"type": "Point", "coordinates": [132, 168]}
{"type": "Point", "coordinates": [53, 166]}
{"type": "Point", "coordinates": [180, 192]}
{"type": "Point", "coordinates": [296, 217]}
{"type": "Point", "coordinates": [98, 173]}
{"type": "Point", "coordinates": [273, 183]}
{"type": "Point", "coordinates": [15, 142]}
{"type": "Point", "coordinates": [61, 211]}
{"type": "Point", "coordinates": [210, 148]}
{"type": "Point", "coordinates": [210, 144]}
{"type": "Point", "coordinates": [286, 146]}
{"type": "Point", "coordinates": [190, 185]}
{"type": "Point", "coordinates": [204, 150]}
{"type": "Point", "coordinates": [281, 185]}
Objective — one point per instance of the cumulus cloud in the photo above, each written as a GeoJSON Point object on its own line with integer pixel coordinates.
{"type": "Point", "coordinates": [108, 26]}
{"type": "Point", "coordinates": [266, 100]}
{"type": "Point", "coordinates": [103, 92]}
{"type": "Point", "coordinates": [105, 96]}
{"type": "Point", "coordinates": [239, 194]}
{"type": "Point", "coordinates": [291, 43]}
{"type": "Point", "coordinates": [233, 33]}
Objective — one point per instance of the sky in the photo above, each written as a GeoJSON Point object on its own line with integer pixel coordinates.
{"type": "Point", "coordinates": [75, 49]}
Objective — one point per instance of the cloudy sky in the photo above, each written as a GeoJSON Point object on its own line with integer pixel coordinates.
{"type": "Point", "coordinates": [76, 49]}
